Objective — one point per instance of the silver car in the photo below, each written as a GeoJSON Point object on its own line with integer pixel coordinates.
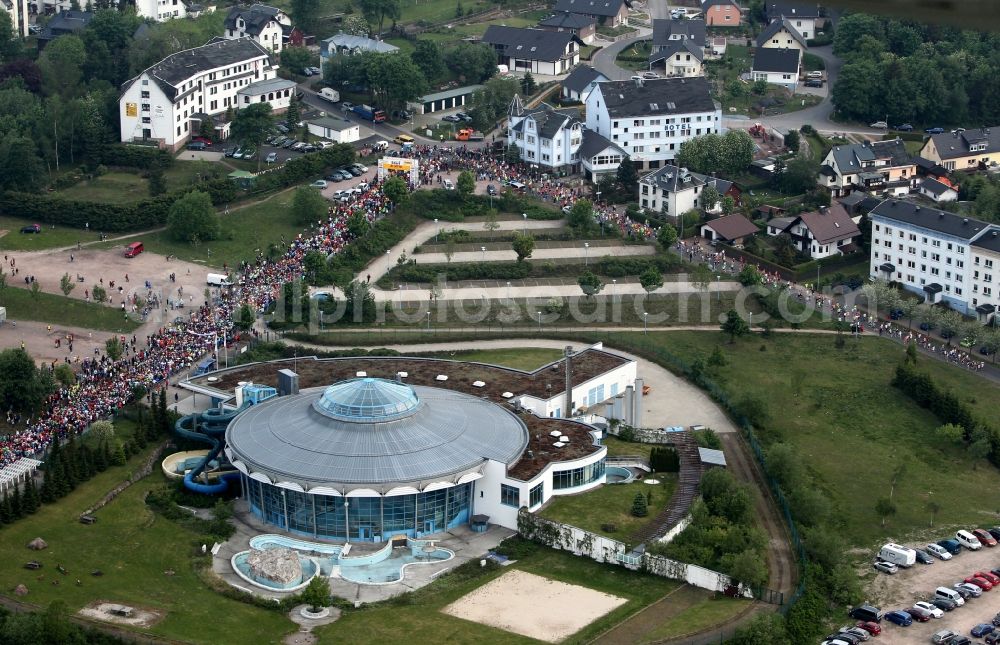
{"type": "Point", "coordinates": [885, 567]}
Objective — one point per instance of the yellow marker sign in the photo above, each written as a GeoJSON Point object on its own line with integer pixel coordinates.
{"type": "Point", "coordinates": [131, 109]}
{"type": "Point", "coordinates": [393, 165]}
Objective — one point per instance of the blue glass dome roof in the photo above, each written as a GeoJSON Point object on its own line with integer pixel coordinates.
{"type": "Point", "coordinates": [365, 400]}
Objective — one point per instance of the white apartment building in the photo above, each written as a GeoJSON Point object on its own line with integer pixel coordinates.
{"type": "Point", "coordinates": [266, 25]}
{"type": "Point", "coordinates": [986, 274]}
{"type": "Point", "coordinates": [18, 10]}
{"type": "Point", "coordinates": [161, 10]}
{"type": "Point", "coordinates": [650, 119]}
{"type": "Point", "coordinates": [167, 102]}
{"type": "Point", "coordinates": [674, 191]}
{"type": "Point", "coordinates": [929, 252]}
{"type": "Point", "coordinates": [557, 141]}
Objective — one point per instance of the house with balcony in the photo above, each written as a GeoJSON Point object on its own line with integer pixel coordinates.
{"type": "Point", "coordinates": [975, 149]}
{"type": "Point", "coordinates": [673, 191]}
{"type": "Point", "coordinates": [607, 13]}
{"type": "Point", "coordinates": [721, 13]}
{"type": "Point", "coordinates": [348, 44]}
{"type": "Point", "coordinates": [877, 167]}
{"type": "Point", "coordinates": [805, 18]}
{"type": "Point", "coordinates": [534, 50]}
{"type": "Point", "coordinates": [827, 232]}
{"type": "Point", "coordinates": [650, 119]}
{"type": "Point", "coordinates": [678, 58]}
{"type": "Point", "coordinates": [269, 26]}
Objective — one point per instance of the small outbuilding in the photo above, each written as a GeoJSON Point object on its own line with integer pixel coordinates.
{"type": "Point", "coordinates": [710, 458]}
{"type": "Point", "coordinates": [334, 128]}
{"type": "Point", "coordinates": [937, 190]}
{"type": "Point", "coordinates": [732, 229]}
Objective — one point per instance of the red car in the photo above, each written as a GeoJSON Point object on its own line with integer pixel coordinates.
{"type": "Point", "coordinates": [985, 537]}
{"type": "Point", "coordinates": [982, 583]}
{"type": "Point", "coordinates": [871, 627]}
{"type": "Point", "coordinates": [992, 577]}
{"type": "Point", "coordinates": [208, 142]}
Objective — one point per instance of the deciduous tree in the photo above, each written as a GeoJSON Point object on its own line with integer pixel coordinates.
{"type": "Point", "coordinates": [523, 245]}
{"type": "Point", "coordinates": [308, 206]}
{"type": "Point", "coordinates": [734, 326]}
{"type": "Point", "coordinates": [192, 218]}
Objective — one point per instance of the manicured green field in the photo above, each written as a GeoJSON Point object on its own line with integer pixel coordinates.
{"type": "Point", "coordinates": [113, 188]}
{"type": "Point", "coordinates": [434, 11]}
{"type": "Point", "coordinates": [617, 447]}
{"type": "Point", "coordinates": [704, 613]}
{"type": "Point", "coordinates": [49, 238]}
{"type": "Point", "coordinates": [524, 358]}
{"type": "Point", "coordinates": [244, 230]}
{"type": "Point", "coordinates": [852, 428]}
{"type": "Point", "coordinates": [133, 548]}
{"type": "Point", "coordinates": [611, 505]}
{"type": "Point", "coordinates": [52, 308]}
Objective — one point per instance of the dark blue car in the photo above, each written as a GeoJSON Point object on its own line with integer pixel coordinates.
{"type": "Point", "coordinates": [900, 618]}
{"type": "Point", "coordinates": [981, 630]}
{"type": "Point", "coordinates": [934, 130]}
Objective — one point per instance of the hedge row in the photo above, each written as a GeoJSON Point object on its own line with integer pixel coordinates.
{"type": "Point", "coordinates": [111, 218]}
{"type": "Point", "coordinates": [132, 156]}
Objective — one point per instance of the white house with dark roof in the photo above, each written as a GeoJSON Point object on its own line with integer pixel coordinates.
{"type": "Point", "coordinates": [879, 167]}
{"type": "Point", "coordinates": [348, 44]}
{"type": "Point", "coordinates": [161, 10]}
{"type": "Point", "coordinates": [674, 191]}
{"type": "Point", "coordinates": [930, 252]}
{"type": "Point", "coordinates": [581, 26]}
{"type": "Point", "coordinates": [937, 191]}
{"type": "Point", "coordinates": [581, 82]}
{"type": "Point", "coordinates": [985, 296]}
{"type": "Point", "coordinates": [276, 91]}
{"type": "Point", "coordinates": [967, 150]}
{"type": "Point", "coordinates": [18, 10]}
{"type": "Point", "coordinates": [611, 13]}
{"type": "Point", "coordinates": [167, 101]}
{"type": "Point", "coordinates": [335, 128]}
{"type": "Point", "coordinates": [678, 58]}
{"type": "Point", "coordinates": [780, 34]}
{"type": "Point", "coordinates": [650, 119]}
{"type": "Point", "coordinates": [267, 25]}
{"type": "Point", "coordinates": [777, 67]}
{"type": "Point", "coordinates": [805, 18]}
{"type": "Point", "coordinates": [733, 229]}
{"type": "Point", "coordinates": [534, 50]}
{"type": "Point", "coordinates": [668, 32]}
{"type": "Point", "coordinates": [824, 233]}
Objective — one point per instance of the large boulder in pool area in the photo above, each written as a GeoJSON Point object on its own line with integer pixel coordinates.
{"type": "Point", "coordinates": [280, 565]}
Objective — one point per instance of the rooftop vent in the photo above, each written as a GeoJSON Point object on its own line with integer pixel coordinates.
{"type": "Point", "coordinates": [441, 377]}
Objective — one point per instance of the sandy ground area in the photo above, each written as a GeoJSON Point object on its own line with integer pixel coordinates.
{"type": "Point", "coordinates": [901, 590]}
{"type": "Point", "coordinates": [534, 606]}
{"type": "Point", "coordinates": [140, 617]}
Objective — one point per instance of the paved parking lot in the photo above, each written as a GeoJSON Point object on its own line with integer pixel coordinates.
{"type": "Point", "coordinates": [902, 589]}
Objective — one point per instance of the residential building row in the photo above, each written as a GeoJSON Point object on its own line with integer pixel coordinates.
{"type": "Point", "coordinates": [939, 255]}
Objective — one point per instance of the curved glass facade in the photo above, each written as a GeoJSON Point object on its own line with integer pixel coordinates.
{"type": "Point", "coordinates": [359, 518]}
{"type": "Point", "coordinates": [578, 476]}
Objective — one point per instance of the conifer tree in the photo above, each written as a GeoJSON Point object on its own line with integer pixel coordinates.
{"type": "Point", "coordinates": [108, 454]}
{"type": "Point", "coordinates": [118, 457]}
{"type": "Point", "coordinates": [100, 460]}
{"type": "Point", "coordinates": [140, 434]}
{"type": "Point", "coordinates": [48, 493]}
{"type": "Point", "coordinates": [164, 428]}
{"type": "Point", "coordinates": [5, 516]}
{"type": "Point", "coordinates": [639, 507]}
{"type": "Point", "coordinates": [16, 509]}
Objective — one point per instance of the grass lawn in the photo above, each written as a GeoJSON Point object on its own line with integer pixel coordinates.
{"type": "Point", "coordinates": [49, 238]}
{"type": "Point", "coordinates": [113, 187]}
{"type": "Point", "coordinates": [835, 406]}
{"type": "Point", "coordinates": [133, 548]}
{"type": "Point", "coordinates": [524, 358]}
{"type": "Point", "coordinates": [434, 11]}
{"type": "Point", "coordinates": [244, 230]}
{"type": "Point", "coordinates": [617, 447]}
{"type": "Point", "coordinates": [913, 147]}
{"type": "Point", "coordinates": [634, 57]}
{"type": "Point", "coordinates": [610, 505]}
{"type": "Point", "coordinates": [57, 309]}
{"type": "Point", "coordinates": [417, 617]}
{"type": "Point", "coordinates": [184, 173]}
{"type": "Point", "coordinates": [705, 611]}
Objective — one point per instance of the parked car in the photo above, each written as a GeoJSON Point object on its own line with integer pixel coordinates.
{"type": "Point", "coordinates": [989, 575]}
{"type": "Point", "coordinates": [952, 546]}
{"type": "Point", "coordinates": [905, 127]}
{"type": "Point", "coordinates": [923, 557]}
{"type": "Point", "coordinates": [996, 620]}
{"type": "Point", "coordinates": [943, 636]}
{"type": "Point", "coordinates": [835, 641]}
{"type": "Point", "coordinates": [995, 532]}
{"type": "Point", "coordinates": [982, 629]}
{"type": "Point", "coordinates": [229, 152]}
{"type": "Point", "coordinates": [271, 157]}
{"type": "Point", "coordinates": [282, 128]}
{"type": "Point", "coordinates": [452, 118]}
{"type": "Point", "coordinates": [866, 613]}
{"type": "Point", "coordinates": [939, 551]}
{"type": "Point", "coordinates": [968, 540]}
{"type": "Point", "coordinates": [204, 140]}
{"type": "Point", "coordinates": [307, 71]}
{"type": "Point", "coordinates": [238, 153]}
{"type": "Point", "coordinates": [289, 143]}
{"type": "Point", "coordinates": [346, 106]}
{"type": "Point", "coordinates": [935, 612]}
{"type": "Point", "coordinates": [934, 130]}
{"type": "Point", "coordinates": [974, 591]}
{"type": "Point", "coordinates": [250, 154]}
{"type": "Point", "coordinates": [871, 627]}
{"type": "Point", "coordinates": [885, 567]}
{"type": "Point", "coordinates": [856, 631]}
{"type": "Point", "coordinates": [354, 172]}
{"type": "Point", "coordinates": [650, 75]}
{"type": "Point", "coordinates": [360, 167]}
{"type": "Point", "coordinates": [315, 70]}
{"type": "Point", "coordinates": [465, 117]}
{"type": "Point", "coordinates": [992, 638]}
{"type": "Point", "coordinates": [32, 228]}
{"type": "Point", "coordinates": [851, 639]}
{"type": "Point", "coordinates": [319, 183]}
{"type": "Point", "coordinates": [881, 125]}
{"type": "Point", "coordinates": [960, 640]}
{"type": "Point", "coordinates": [814, 82]}
{"type": "Point", "coordinates": [448, 185]}
{"type": "Point", "coordinates": [984, 537]}
{"type": "Point", "coordinates": [944, 604]}
{"type": "Point", "coordinates": [982, 583]}
{"type": "Point", "coordinates": [919, 613]}
{"type": "Point", "coordinates": [899, 617]}
{"type": "Point", "coordinates": [196, 145]}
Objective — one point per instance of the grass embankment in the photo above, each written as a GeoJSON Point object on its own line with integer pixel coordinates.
{"type": "Point", "coordinates": [60, 310]}
{"type": "Point", "coordinates": [851, 427]}
{"type": "Point", "coordinates": [244, 231]}
{"type": "Point", "coordinates": [521, 358]}
{"type": "Point", "coordinates": [126, 186]}
{"type": "Point", "coordinates": [49, 238]}
{"type": "Point", "coordinates": [611, 506]}
{"type": "Point", "coordinates": [134, 549]}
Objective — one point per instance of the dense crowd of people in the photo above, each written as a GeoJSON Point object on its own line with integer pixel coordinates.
{"type": "Point", "coordinates": [105, 385]}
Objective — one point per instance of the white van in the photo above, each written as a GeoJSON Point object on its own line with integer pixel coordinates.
{"type": "Point", "coordinates": [968, 540]}
{"type": "Point", "coordinates": [218, 280]}
{"type": "Point", "coordinates": [898, 554]}
{"type": "Point", "coordinates": [949, 594]}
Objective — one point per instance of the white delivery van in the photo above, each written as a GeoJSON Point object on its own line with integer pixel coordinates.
{"type": "Point", "coordinates": [968, 540]}
{"type": "Point", "coordinates": [898, 554]}
{"type": "Point", "coordinates": [329, 94]}
{"type": "Point", "coordinates": [949, 594]}
{"type": "Point", "coordinates": [218, 280]}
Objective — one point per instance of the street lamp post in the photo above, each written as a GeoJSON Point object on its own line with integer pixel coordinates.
{"type": "Point", "coordinates": [614, 290]}
{"type": "Point", "coordinates": [539, 320]}
{"type": "Point", "coordinates": [428, 321]}
{"type": "Point", "coordinates": [597, 197]}
{"type": "Point", "coordinates": [483, 249]}
{"type": "Point", "coordinates": [508, 290]}
{"type": "Point", "coordinates": [387, 260]}
{"type": "Point", "coordinates": [645, 323]}
{"type": "Point", "coordinates": [586, 253]}
{"type": "Point", "coordinates": [524, 230]}
{"type": "Point", "coordinates": [718, 292]}
{"type": "Point", "coordinates": [436, 230]}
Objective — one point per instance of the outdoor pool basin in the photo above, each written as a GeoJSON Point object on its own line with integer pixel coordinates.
{"type": "Point", "coordinates": [618, 475]}
{"type": "Point", "coordinates": [385, 566]}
